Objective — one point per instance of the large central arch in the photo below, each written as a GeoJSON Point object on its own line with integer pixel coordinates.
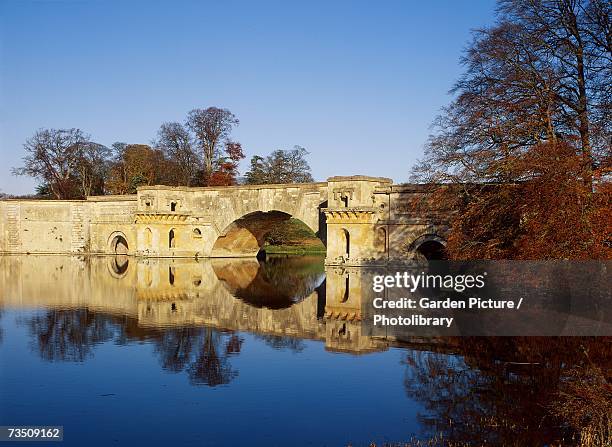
{"type": "Point", "coordinates": [246, 236]}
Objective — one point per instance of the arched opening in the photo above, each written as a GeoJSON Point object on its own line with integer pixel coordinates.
{"type": "Point", "coordinates": [432, 250]}
{"type": "Point", "coordinates": [148, 276]}
{"type": "Point", "coordinates": [347, 289]}
{"type": "Point", "coordinates": [347, 243]}
{"type": "Point", "coordinates": [171, 239]}
{"type": "Point", "coordinates": [172, 206]}
{"type": "Point", "coordinates": [148, 238]}
{"type": "Point", "coordinates": [119, 245]}
{"type": "Point", "coordinates": [197, 232]}
{"type": "Point", "coordinates": [430, 247]}
{"type": "Point", "coordinates": [261, 233]}
{"type": "Point", "coordinates": [171, 273]}
{"type": "Point", "coordinates": [381, 240]}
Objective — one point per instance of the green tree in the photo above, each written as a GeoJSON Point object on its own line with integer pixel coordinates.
{"type": "Point", "coordinates": [281, 166]}
{"type": "Point", "coordinates": [257, 174]}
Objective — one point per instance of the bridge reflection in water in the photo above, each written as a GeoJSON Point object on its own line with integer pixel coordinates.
{"type": "Point", "coordinates": [194, 314]}
{"type": "Point", "coordinates": [281, 296]}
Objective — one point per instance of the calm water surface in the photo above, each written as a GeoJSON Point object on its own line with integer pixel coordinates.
{"type": "Point", "coordinates": [238, 352]}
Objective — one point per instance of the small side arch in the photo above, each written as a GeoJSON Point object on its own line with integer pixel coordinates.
{"type": "Point", "coordinates": [118, 243]}
{"type": "Point", "coordinates": [346, 242]}
{"type": "Point", "coordinates": [148, 238]}
{"type": "Point", "coordinates": [430, 247]}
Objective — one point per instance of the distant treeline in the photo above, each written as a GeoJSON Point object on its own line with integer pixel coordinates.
{"type": "Point", "coordinates": [198, 152]}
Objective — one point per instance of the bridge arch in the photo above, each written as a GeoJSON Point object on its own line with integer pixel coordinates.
{"type": "Point", "coordinates": [431, 247]}
{"type": "Point", "coordinates": [245, 236]}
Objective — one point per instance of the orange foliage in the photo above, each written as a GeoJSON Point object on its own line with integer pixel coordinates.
{"type": "Point", "coordinates": [553, 213]}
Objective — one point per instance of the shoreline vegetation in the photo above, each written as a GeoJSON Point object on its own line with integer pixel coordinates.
{"type": "Point", "coordinates": [293, 250]}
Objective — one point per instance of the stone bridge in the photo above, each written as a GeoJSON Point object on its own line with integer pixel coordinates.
{"type": "Point", "coordinates": [361, 220]}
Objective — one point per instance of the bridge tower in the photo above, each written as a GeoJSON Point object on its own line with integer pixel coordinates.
{"type": "Point", "coordinates": [352, 216]}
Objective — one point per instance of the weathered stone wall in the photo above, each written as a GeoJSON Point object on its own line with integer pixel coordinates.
{"type": "Point", "coordinates": [44, 226]}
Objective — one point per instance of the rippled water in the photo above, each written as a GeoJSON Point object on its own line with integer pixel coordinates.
{"type": "Point", "coordinates": [239, 352]}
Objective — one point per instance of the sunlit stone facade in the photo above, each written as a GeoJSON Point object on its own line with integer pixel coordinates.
{"type": "Point", "coordinates": [362, 221]}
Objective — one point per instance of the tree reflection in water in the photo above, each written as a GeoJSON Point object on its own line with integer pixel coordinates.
{"type": "Point", "coordinates": [501, 390]}
{"type": "Point", "coordinates": [212, 365]}
{"type": "Point", "coordinates": [176, 348]}
{"type": "Point", "coordinates": [69, 335]}
{"type": "Point", "coordinates": [495, 391]}
{"type": "Point", "coordinates": [282, 342]}
{"type": "Point", "coordinates": [203, 353]}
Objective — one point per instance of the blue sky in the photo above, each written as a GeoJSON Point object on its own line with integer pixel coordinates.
{"type": "Point", "coordinates": [356, 83]}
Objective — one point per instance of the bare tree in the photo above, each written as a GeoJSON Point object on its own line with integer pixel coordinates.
{"type": "Point", "coordinates": [53, 157]}
{"type": "Point", "coordinates": [212, 127]}
{"type": "Point", "coordinates": [93, 168]}
{"type": "Point", "coordinates": [575, 36]}
{"type": "Point", "coordinates": [176, 144]}
{"type": "Point", "coordinates": [540, 74]}
{"type": "Point", "coordinates": [532, 112]}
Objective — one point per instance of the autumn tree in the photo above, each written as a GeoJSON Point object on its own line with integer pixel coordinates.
{"type": "Point", "coordinates": [281, 166]}
{"type": "Point", "coordinates": [176, 144]}
{"type": "Point", "coordinates": [225, 168]}
{"type": "Point", "coordinates": [212, 128]}
{"type": "Point", "coordinates": [135, 165]}
{"type": "Point", "coordinates": [529, 127]}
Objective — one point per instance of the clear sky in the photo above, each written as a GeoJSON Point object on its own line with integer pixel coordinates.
{"type": "Point", "coordinates": [356, 83]}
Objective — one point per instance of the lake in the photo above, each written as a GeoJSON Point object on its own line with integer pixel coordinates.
{"type": "Point", "coordinates": [124, 351]}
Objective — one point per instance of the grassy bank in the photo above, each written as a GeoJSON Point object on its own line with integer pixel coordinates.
{"type": "Point", "coordinates": [293, 237]}
{"type": "Point", "coordinates": [294, 250]}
